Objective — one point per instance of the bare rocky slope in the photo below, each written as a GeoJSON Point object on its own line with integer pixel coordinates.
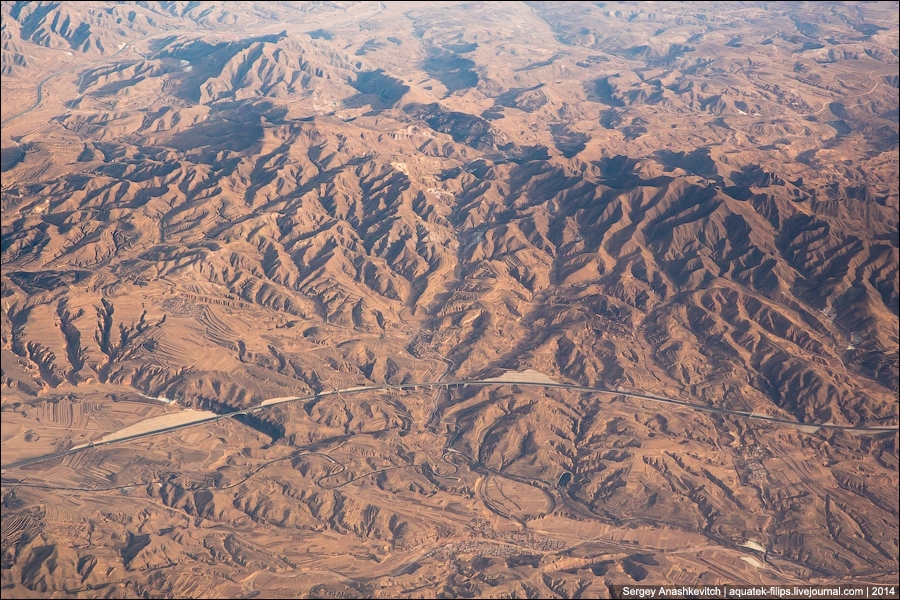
{"type": "Point", "coordinates": [221, 204]}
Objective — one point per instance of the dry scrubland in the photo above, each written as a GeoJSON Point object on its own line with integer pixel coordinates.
{"type": "Point", "coordinates": [223, 204]}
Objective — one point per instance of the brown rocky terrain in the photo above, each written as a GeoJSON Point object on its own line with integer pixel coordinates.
{"type": "Point", "coordinates": [221, 204]}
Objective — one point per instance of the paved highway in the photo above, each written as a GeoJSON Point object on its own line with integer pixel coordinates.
{"type": "Point", "coordinates": [505, 380]}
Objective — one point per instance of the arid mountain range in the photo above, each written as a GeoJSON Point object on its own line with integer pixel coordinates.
{"type": "Point", "coordinates": [219, 204]}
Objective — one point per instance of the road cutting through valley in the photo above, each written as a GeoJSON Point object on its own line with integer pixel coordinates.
{"type": "Point", "coordinates": [528, 378]}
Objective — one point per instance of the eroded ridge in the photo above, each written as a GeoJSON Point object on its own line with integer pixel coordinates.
{"type": "Point", "coordinates": [513, 300]}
